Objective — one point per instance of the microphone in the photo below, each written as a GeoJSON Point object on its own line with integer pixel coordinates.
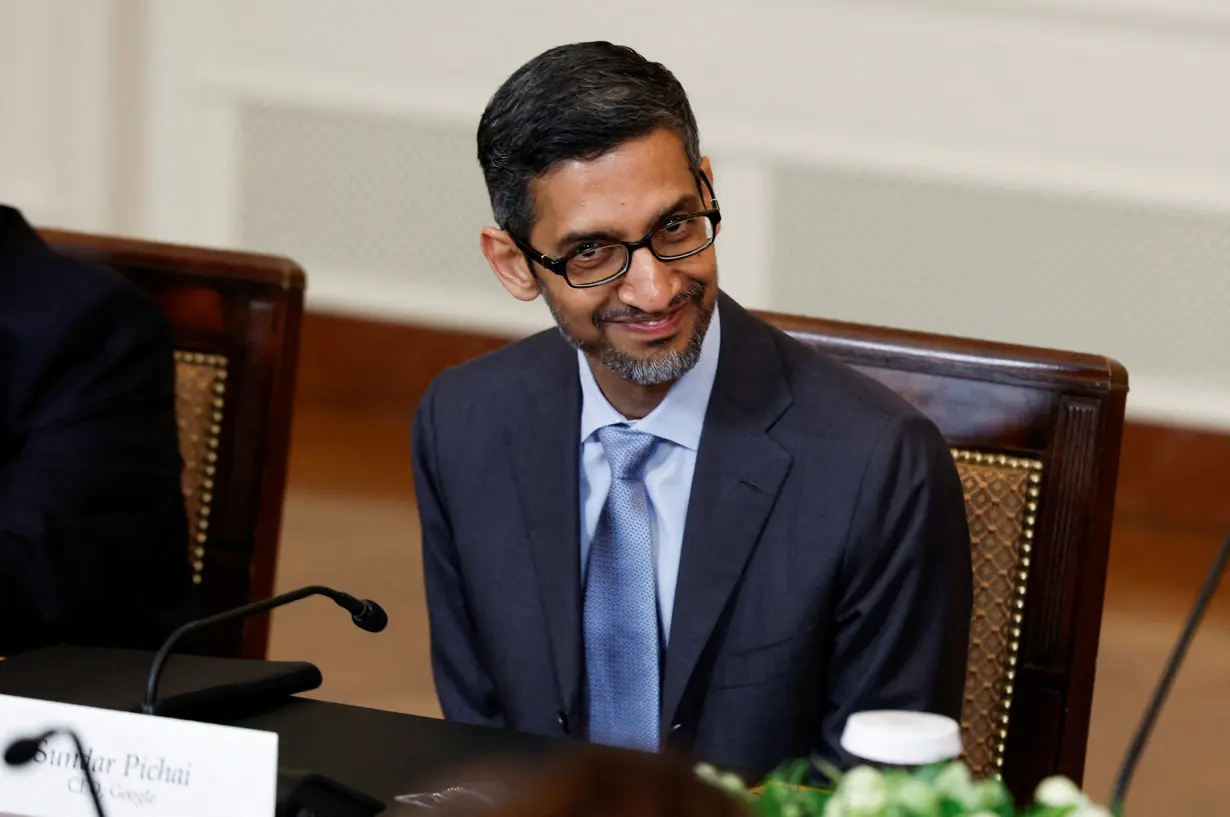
{"type": "Point", "coordinates": [23, 750]}
{"type": "Point", "coordinates": [1137, 746]}
{"type": "Point", "coordinates": [366, 614]}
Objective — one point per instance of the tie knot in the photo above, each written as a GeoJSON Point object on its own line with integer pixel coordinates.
{"type": "Point", "coordinates": [627, 450]}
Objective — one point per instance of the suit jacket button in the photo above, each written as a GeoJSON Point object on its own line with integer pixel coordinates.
{"type": "Point", "coordinates": [562, 720]}
{"type": "Point", "coordinates": [675, 727]}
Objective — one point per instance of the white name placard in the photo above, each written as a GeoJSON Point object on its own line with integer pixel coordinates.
{"type": "Point", "coordinates": [141, 764]}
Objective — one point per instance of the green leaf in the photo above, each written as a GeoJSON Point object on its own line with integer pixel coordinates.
{"type": "Point", "coordinates": [797, 775]}
{"type": "Point", "coordinates": [770, 802]}
{"type": "Point", "coordinates": [827, 769]}
{"type": "Point", "coordinates": [1049, 811]}
{"type": "Point", "coordinates": [952, 808]}
{"type": "Point", "coordinates": [780, 798]}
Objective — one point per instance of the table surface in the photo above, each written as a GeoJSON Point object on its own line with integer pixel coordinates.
{"type": "Point", "coordinates": [383, 754]}
{"type": "Point", "coordinates": [387, 754]}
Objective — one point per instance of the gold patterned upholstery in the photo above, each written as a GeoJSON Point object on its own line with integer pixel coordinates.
{"type": "Point", "coordinates": [1001, 504]}
{"type": "Point", "coordinates": [200, 390]}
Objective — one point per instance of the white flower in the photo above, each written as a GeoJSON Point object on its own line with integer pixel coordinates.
{"type": "Point", "coordinates": [954, 782]}
{"type": "Point", "coordinates": [1058, 792]}
{"type": "Point", "coordinates": [990, 794]}
{"type": "Point", "coordinates": [728, 781]}
{"type": "Point", "coordinates": [916, 796]}
{"type": "Point", "coordinates": [861, 793]}
{"type": "Point", "coordinates": [984, 814]}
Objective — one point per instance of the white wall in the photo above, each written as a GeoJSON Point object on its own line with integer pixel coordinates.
{"type": "Point", "coordinates": [55, 149]}
{"type": "Point", "coordinates": [1045, 172]}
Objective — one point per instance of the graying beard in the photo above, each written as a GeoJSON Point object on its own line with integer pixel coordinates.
{"type": "Point", "coordinates": [664, 368]}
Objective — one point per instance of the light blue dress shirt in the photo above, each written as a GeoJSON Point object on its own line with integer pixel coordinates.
{"type": "Point", "coordinates": [677, 422]}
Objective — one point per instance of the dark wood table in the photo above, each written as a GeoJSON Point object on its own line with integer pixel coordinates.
{"type": "Point", "coordinates": [383, 754]}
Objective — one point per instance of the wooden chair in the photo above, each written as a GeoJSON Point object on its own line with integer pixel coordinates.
{"type": "Point", "coordinates": [1036, 437]}
{"type": "Point", "coordinates": [235, 319]}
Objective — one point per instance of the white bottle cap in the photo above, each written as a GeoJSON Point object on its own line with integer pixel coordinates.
{"type": "Point", "coordinates": [899, 738]}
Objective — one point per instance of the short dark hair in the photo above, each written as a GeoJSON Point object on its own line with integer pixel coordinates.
{"type": "Point", "coordinates": [571, 102]}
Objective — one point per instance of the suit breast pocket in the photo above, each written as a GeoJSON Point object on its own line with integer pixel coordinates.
{"type": "Point", "coordinates": [761, 663]}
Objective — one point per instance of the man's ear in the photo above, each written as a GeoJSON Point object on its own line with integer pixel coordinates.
{"type": "Point", "coordinates": [509, 264]}
{"type": "Point", "coordinates": [707, 169]}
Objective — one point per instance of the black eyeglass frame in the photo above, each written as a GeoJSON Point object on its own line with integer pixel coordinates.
{"type": "Point", "coordinates": [560, 265]}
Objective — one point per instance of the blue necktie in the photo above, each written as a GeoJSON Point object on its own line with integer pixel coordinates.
{"type": "Point", "coordinates": [621, 603]}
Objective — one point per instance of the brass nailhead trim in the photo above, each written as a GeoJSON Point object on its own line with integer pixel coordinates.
{"type": "Point", "coordinates": [212, 435]}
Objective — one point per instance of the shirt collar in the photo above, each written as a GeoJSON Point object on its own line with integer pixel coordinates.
{"type": "Point", "coordinates": [680, 416]}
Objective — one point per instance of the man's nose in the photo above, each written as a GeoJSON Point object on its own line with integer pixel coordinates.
{"type": "Point", "coordinates": [649, 285]}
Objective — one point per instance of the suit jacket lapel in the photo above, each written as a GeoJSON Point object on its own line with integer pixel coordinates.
{"type": "Point", "coordinates": [543, 448]}
{"type": "Point", "coordinates": [739, 472]}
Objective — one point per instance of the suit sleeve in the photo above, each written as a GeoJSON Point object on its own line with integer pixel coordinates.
{"type": "Point", "coordinates": [463, 685]}
{"type": "Point", "coordinates": [903, 620]}
{"type": "Point", "coordinates": [93, 534]}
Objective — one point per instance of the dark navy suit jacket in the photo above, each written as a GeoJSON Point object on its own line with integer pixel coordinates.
{"type": "Point", "coordinates": [825, 567]}
{"type": "Point", "coordinates": [93, 535]}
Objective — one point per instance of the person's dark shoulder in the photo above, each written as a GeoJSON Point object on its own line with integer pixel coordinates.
{"type": "Point", "coordinates": [72, 329]}
{"type": "Point", "coordinates": [48, 293]}
{"type": "Point", "coordinates": [501, 378]}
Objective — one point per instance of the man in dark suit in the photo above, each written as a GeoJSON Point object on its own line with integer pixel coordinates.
{"type": "Point", "coordinates": [93, 534]}
{"type": "Point", "coordinates": [669, 523]}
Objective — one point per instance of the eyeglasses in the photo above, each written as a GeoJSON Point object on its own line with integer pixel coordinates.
{"type": "Point", "coordinates": [593, 264]}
